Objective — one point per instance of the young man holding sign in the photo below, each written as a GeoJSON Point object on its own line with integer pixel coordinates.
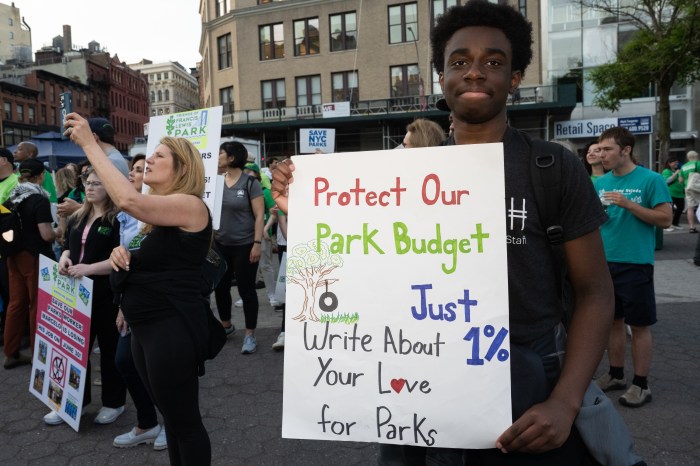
{"type": "Point", "coordinates": [480, 51]}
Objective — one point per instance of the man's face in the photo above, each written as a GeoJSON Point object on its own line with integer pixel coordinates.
{"type": "Point", "coordinates": [612, 156]}
{"type": "Point", "coordinates": [22, 152]}
{"type": "Point", "coordinates": [477, 78]}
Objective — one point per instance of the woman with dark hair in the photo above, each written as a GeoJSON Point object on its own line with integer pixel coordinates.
{"type": "Point", "coordinates": [674, 179]}
{"type": "Point", "coordinates": [591, 160]}
{"type": "Point", "coordinates": [162, 303]}
{"type": "Point", "coordinates": [91, 234]}
{"type": "Point", "coordinates": [32, 204]}
{"type": "Point", "coordinates": [239, 239]}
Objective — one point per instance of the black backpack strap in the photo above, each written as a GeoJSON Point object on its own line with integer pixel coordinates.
{"type": "Point", "coordinates": [545, 174]}
{"type": "Point", "coordinates": [546, 178]}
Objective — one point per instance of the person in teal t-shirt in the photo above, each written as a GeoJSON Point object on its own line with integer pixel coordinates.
{"type": "Point", "coordinates": [637, 200]}
{"type": "Point", "coordinates": [675, 181]}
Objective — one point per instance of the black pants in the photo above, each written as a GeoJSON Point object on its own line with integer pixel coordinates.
{"type": "Point", "coordinates": [146, 416]}
{"type": "Point", "coordinates": [678, 206]}
{"type": "Point", "coordinates": [102, 327]}
{"type": "Point", "coordinates": [165, 358]}
{"type": "Point", "coordinates": [696, 258]}
{"type": "Point", "coordinates": [281, 249]}
{"type": "Point", "coordinates": [238, 262]}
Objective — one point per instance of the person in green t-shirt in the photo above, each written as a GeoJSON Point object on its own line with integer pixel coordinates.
{"type": "Point", "coordinates": [28, 150]}
{"type": "Point", "coordinates": [692, 198]}
{"type": "Point", "coordinates": [675, 181]}
{"type": "Point", "coordinates": [8, 178]}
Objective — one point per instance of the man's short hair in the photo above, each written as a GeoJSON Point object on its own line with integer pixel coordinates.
{"type": "Point", "coordinates": [7, 154]}
{"type": "Point", "coordinates": [620, 135]}
{"type": "Point", "coordinates": [516, 28]}
{"type": "Point", "coordinates": [692, 155]}
{"type": "Point", "coordinates": [103, 129]}
{"type": "Point", "coordinates": [31, 148]}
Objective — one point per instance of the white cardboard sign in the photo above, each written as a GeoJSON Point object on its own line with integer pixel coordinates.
{"type": "Point", "coordinates": [397, 324]}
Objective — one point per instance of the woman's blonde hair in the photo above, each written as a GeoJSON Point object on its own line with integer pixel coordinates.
{"type": "Point", "coordinates": [86, 210]}
{"type": "Point", "coordinates": [425, 133]}
{"type": "Point", "coordinates": [188, 167]}
{"type": "Point", "coordinates": [66, 179]}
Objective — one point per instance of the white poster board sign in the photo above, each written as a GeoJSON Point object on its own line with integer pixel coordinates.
{"type": "Point", "coordinates": [313, 140]}
{"type": "Point", "coordinates": [336, 110]}
{"type": "Point", "coordinates": [61, 345]}
{"type": "Point", "coordinates": [397, 326]}
{"type": "Point", "coordinates": [203, 129]}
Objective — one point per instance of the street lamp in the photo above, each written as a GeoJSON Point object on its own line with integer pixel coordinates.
{"type": "Point", "coordinates": [421, 85]}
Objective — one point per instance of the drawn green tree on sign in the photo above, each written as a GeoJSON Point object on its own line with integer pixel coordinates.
{"type": "Point", "coordinates": [309, 266]}
{"type": "Point", "coordinates": [170, 125]}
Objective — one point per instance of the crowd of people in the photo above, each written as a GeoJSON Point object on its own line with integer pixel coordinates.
{"type": "Point", "coordinates": [145, 252]}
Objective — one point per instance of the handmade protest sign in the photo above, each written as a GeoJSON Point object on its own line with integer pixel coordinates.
{"type": "Point", "coordinates": [397, 326]}
{"type": "Point", "coordinates": [61, 345]}
{"type": "Point", "coordinates": [203, 129]}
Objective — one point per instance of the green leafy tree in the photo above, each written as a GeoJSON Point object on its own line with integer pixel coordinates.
{"type": "Point", "coordinates": [664, 51]}
{"type": "Point", "coordinates": [308, 266]}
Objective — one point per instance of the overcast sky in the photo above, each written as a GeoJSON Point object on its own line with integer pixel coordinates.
{"type": "Point", "coordinates": [159, 30]}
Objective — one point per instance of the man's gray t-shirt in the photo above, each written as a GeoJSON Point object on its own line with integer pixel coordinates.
{"type": "Point", "coordinates": [237, 227]}
{"type": "Point", "coordinates": [118, 160]}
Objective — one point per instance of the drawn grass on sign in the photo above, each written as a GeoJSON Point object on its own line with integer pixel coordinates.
{"type": "Point", "coordinates": [309, 266]}
{"type": "Point", "coordinates": [341, 319]}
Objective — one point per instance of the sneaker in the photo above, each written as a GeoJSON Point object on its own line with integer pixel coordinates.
{"type": "Point", "coordinates": [238, 303]}
{"type": "Point", "coordinates": [249, 345]}
{"type": "Point", "coordinates": [161, 442]}
{"type": "Point", "coordinates": [607, 382]}
{"type": "Point", "coordinates": [53, 419]}
{"type": "Point", "coordinates": [108, 415]}
{"type": "Point", "coordinates": [96, 350]}
{"type": "Point", "coordinates": [636, 396]}
{"type": "Point", "coordinates": [279, 344]}
{"type": "Point", "coordinates": [230, 329]}
{"type": "Point", "coordinates": [131, 438]}
{"type": "Point", "coordinates": [12, 362]}
{"type": "Point", "coordinates": [274, 302]}
{"type": "Point", "coordinates": [669, 229]}
{"type": "Point", "coordinates": [97, 381]}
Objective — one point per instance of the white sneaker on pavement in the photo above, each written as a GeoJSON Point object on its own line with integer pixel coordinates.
{"type": "Point", "coordinates": [238, 303]}
{"type": "Point", "coordinates": [131, 438]}
{"type": "Point", "coordinates": [279, 344]}
{"type": "Point", "coordinates": [161, 442]}
{"type": "Point", "coordinates": [274, 302]}
{"type": "Point", "coordinates": [108, 415]}
{"type": "Point", "coordinates": [53, 419]}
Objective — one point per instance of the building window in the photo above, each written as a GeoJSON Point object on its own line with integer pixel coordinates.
{"type": "Point", "coordinates": [435, 77]}
{"type": "Point", "coordinates": [160, 96]}
{"type": "Point", "coordinates": [345, 87]}
{"type": "Point", "coordinates": [223, 46]}
{"type": "Point", "coordinates": [404, 80]}
{"type": "Point", "coordinates": [10, 22]}
{"type": "Point", "coordinates": [522, 7]}
{"type": "Point", "coordinates": [167, 94]}
{"type": "Point", "coordinates": [343, 29]}
{"type": "Point", "coordinates": [222, 7]}
{"type": "Point", "coordinates": [306, 38]}
{"type": "Point", "coordinates": [43, 113]}
{"type": "Point", "coordinates": [308, 90]}
{"type": "Point", "coordinates": [8, 110]}
{"type": "Point", "coordinates": [12, 35]}
{"type": "Point", "coordinates": [226, 99]}
{"type": "Point", "coordinates": [20, 112]}
{"type": "Point", "coordinates": [153, 96]}
{"type": "Point", "coordinates": [32, 115]}
{"type": "Point", "coordinates": [271, 41]}
{"type": "Point", "coordinates": [440, 6]}
{"type": "Point", "coordinates": [403, 23]}
{"type": "Point", "coordinates": [273, 94]}
{"type": "Point", "coordinates": [42, 89]}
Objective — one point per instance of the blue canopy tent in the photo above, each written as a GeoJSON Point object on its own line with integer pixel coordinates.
{"type": "Point", "coordinates": [55, 150]}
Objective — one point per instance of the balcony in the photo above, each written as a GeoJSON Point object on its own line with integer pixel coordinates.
{"type": "Point", "coordinates": [536, 96]}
